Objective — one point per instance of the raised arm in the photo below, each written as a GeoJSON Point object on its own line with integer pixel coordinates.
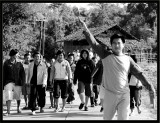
{"type": "Point", "coordinates": [92, 41]}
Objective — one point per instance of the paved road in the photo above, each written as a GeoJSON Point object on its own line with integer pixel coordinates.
{"type": "Point", "coordinates": [71, 113]}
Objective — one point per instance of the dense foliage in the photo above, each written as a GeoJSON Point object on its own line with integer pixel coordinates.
{"type": "Point", "coordinates": [21, 26]}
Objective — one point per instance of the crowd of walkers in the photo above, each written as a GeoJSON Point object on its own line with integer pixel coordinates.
{"type": "Point", "coordinates": [100, 74]}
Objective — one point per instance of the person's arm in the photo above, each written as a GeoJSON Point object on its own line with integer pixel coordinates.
{"type": "Point", "coordinates": [99, 49]}
{"type": "Point", "coordinates": [52, 73]}
{"type": "Point", "coordinates": [134, 69]}
{"type": "Point", "coordinates": [69, 72]}
{"type": "Point", "coordinates": [45, 75]}
{"type": "Point", "coordinates": [76, 74]}
{"type": "Point", "coordinates": [95, 70]}
{"type": "Point", "coordinates": [4, 74]}
{"type": "Point", "coordinates": [22, 74]}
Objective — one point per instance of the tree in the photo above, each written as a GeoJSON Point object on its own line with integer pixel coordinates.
{"type": "Point", "coordinates": [14, 12]}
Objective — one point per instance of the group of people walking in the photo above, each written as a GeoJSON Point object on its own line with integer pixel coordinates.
{"type": "Point", "coordinates": [105, 76]}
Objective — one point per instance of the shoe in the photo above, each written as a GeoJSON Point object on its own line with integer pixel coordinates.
{"type": "Point", "coordinates": [6, 114]}
{"type": "Point", "coordinates": [101, 110]}
{"type": "Point", "coordinates": [19, 111]}
{"type": "Point", "coordinates": [25, 108]}
{"type": "Point", "coordinates": [56, 109]}
{"type": "Point", "coordinates": [139, 111]}
{"type": "Point", "coordinates": [96, 104]}
{"type": "Point", "coordinates": [62, 110]}
{"type": "Point", "coordinates": [33, 113]}
{"type": "Point", "coordinates": [131, 112]}
{"type": "Point", "coordinates": [92, 105]}
{"type": "Point", "coordinates": [81, 105]}
{"type": "Point", "coordinates": [41, 110]}
{"type": "Point", "coordinates": [37, 108]}
{"type": "Point", "coordinates": [86, 108]}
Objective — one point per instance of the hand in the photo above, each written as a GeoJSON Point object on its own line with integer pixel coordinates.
{"type": "Point", "coordinates": [76, 11]}
{"type": "Point", "coordinates": [43, 85]}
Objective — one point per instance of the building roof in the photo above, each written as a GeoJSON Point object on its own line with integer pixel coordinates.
{"type": "Point", "coordinates": [102, 32]}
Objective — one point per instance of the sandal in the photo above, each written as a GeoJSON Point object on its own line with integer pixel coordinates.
{"type": "Point", "coordinates": [50, 107]}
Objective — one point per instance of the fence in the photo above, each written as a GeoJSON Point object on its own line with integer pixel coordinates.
{"type": "Point", "coordinates": [146, 57]}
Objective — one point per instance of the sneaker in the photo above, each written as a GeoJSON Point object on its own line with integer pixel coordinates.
{"type": "Point", "coordinates": [33, 113]}
{"type": "Point", "coordinates": [101, 110]}
{"type": "Point", "coordinates": [81, 105]}
{"type": "Point", "coordinates": [86, 108]}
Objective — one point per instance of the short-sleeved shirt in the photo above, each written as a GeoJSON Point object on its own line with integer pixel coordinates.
{"type": "Point", "coordinates": [115, 74]}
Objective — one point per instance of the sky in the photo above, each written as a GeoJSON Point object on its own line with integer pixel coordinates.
{"type": "Point", "coordinates": [84, 5]}
{"type": "Point", "coordinates": [79, 5]}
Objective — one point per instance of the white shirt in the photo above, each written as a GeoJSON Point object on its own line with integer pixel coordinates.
{"type": "Point", "coordinates": [59, 70]}
{"type": "Point", "coordinates": [134, 81]}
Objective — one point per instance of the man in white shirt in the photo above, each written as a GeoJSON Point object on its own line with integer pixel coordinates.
{"type": "Point", "coordinates": [61, 75]}
{"type": "Point", "coordinates": [116, 67]}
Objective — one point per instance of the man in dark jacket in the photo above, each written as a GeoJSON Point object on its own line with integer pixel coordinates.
{"type": "Point", "coordinates": [84, 68]}
{"type": "Point", "coordinates": [13, 80]}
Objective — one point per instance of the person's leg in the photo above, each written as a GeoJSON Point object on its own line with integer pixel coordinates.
{"type": "Point", "coordinates": [88, 93]}
{"type": "Point", "coordinates": [42, 97]}
{"type": "Point", "coordinates": [101, 100]}
{"type": "Point", "coordinates": [124, 107]}
{"type": "Point", "coordinates": [25, 100]}
{"type": "Point", "coordinates": [132, 94]}
{"type": "Point", "coordinates": [9, 96]}
{"type": "Point", "coordinates": [109, 105]}
{"type": "Point", "coordinates": [18, 93]}
{"type": "Point", "coordinates": [8, 103]}
{"type": "Point", "coordinates": [51, 99]}
{"type": "Point", "coordinates": [96, 94]}
{"type": "Point", "coordinates": [80, 91]}
{"type": "Point", "coordinates": [56, 94]}
{"type": "Point", "coordinates": [64, 92]}
{"type": "Point", "coordinates": [137, 100]}
{"type": "Point", "coordinates": [32, 100]}
{"type": "Point", "coordinates": [24, 93]}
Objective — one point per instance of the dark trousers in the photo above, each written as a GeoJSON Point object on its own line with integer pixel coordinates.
{"type": "Point", "coordinates": [37, 92]}
{"type": "Point", "coordinates": [135, 96]}
{"type": "Point", "coordinates": [95, 93]}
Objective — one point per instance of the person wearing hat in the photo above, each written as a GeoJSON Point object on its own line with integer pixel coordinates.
{"type": "Point", "coordinates": [116, 67]}
{"type": "Point", "coordinates": [37, 79]}
{"type": "Point", "coordinates": [13, 80]}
